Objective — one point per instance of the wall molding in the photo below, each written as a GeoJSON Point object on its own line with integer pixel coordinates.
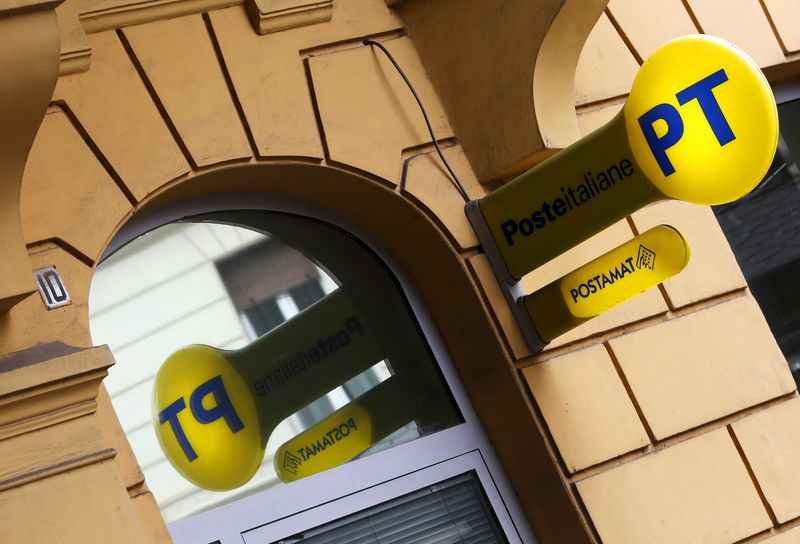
{"type": "Point", "coordinates": [75, 48]}
{"type": "Point", "coordinates": [48, 401]}
{"type": "Point", "coordinates": [112, 14]}
{"type": "Point", "coordinates": [275, 15]}
{"type": "Point", "coordinates": [78, 18]}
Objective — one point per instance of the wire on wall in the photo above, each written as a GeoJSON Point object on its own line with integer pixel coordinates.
{"type": "Point", "coordinates": [454, 178]}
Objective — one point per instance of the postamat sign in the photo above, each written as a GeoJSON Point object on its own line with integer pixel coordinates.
{"type": "Point", "coordinates": [605, 282]}
{"type": "Point", "coordinates": [346, 433]}
{"type": "Point", "coordinates": [700, 125]}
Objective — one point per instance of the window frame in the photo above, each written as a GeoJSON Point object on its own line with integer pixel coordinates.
{"type": "Point", "coordinates": [786, 91]}
{"type": "Point", "coordinates": [378, 494]}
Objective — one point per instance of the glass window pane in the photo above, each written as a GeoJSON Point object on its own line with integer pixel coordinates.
{"type": "Point", "coordinates": [236, 290]}
{"type": "Point", "coordinates": [306, 294]}
{"type": "Point", "coordinates": [264, 316]}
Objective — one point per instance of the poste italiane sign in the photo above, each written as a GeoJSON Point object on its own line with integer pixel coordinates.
{"type": "Point", "coordinates": [700, 125]}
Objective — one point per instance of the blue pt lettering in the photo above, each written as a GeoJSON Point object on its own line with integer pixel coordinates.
{"type": "Point", "coordinates": [703, 92]}
{"type": "Point", "coordinates": [170, 415]}
{"type": "Point", "coordinates": [658, 146]}
{"type": "Point", "coordinates": [223, 408]}
{"type": "Point", "coordinates": [509, 229]}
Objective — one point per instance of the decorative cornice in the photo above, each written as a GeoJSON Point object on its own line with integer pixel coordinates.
{"type": "Point", "coordinates": [99, 15]}
{"type": "Point", "coordinates": [48, 396]}
{"type": "Point", "coordinates": [16, 7]}
{"type": "Point", "coordinates": [77, 18]}
{"type": "Point", "coordinates": [74, 62]}
{"type": "Point", "coordinates": [68, 376]}
{"type": "Point", "coordinates": [276, 15]}
{"type": "Point", "coordinates": [75, 48]}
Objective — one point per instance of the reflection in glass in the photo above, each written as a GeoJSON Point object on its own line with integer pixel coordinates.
{"type": "Point", "coordinates": [226, 287]}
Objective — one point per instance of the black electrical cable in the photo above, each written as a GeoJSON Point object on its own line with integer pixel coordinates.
{"type": "Point", "coordinates": [455, 180]}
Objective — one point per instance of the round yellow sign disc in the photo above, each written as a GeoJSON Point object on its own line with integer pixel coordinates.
{"type": "Point", "coordinates": [206, 419]}
{"type": "Point", "coordinates": [701, 120]}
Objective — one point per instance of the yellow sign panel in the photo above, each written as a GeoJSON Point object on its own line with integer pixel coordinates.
{"type": "Point", "coordinates": [206, 419]}
{"type": "Point", "coordinates": [700, 125]}
{"type": "Point", "coordinates": [331, 442]}
{"type": "Point", "coordinates": [214, 410]}
{"type": "Point", "coordinates": [605, 282]}
{"type": "Point", "coordinates": [346, 433]}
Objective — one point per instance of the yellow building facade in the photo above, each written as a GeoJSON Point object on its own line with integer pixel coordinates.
{"type": "Point", "coordinates": [672, 418]}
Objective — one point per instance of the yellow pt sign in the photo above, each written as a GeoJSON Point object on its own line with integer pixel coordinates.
{"type": "Point", "coordinates": [700, 125]}
{"type": "Point", "coordinates": [607, 281]}
{"type": "Point", "coordinates": [214, 410]}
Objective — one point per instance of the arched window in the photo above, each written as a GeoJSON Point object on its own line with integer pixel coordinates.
{"type": "Point", "coordinates": [266, 289]}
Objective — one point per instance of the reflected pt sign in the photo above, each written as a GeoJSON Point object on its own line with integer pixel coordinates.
{"type": "Point", "coordinates": [346, 433]}
{"type": "Point", "coordinates": [214, 410]}
{"type": "Point", "coordinates": [700, 125]}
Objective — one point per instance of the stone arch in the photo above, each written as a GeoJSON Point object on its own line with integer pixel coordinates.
{"type": "Point", "coordinates": [420, 243]}
{"type": "Point", "coordinates": [81, 135]}
{"type": "Point", "coordinates": [90, 168]}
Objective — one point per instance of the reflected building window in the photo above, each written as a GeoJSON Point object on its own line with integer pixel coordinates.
{"type": "Point", "coordinates": [295, 283]}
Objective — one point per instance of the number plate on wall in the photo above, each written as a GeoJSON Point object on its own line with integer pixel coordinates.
{"type": "Point", "coordinates": [51, 287]}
